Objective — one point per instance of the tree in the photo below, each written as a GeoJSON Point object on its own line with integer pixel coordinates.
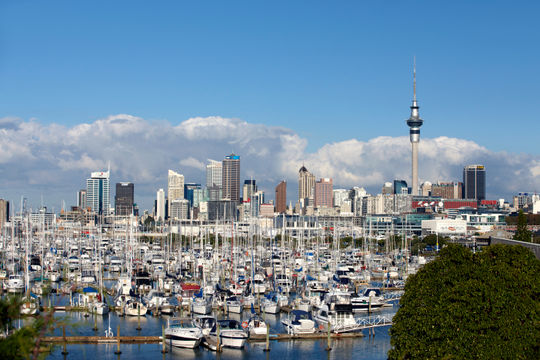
{"type": "Point", "coordinates": [20, 343]}
{"type": "Point", "coordinates": [522, 233]}
{"type": "Point", "coordinates": [464, 305]}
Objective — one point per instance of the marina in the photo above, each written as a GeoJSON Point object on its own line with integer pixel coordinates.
{"type": "Point", "coordinates": [235, 290]}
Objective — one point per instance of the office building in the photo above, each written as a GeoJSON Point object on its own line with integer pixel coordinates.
{"type": "Point", "coordinates": [474, 182]}
{"type": "Point", "coordinates": [231, 178]}
{"type": "Point", "coordinates": [214, 173]}
{"type": "Point", "coordinates": [281, 197]}
{"type": "Point", "coordinates": [175, 187]}
{"type": "Point", "coordinates": [98, 192]}
{"type": "Point", "coordinates": [179, 209]}
{"type": "Point", "coordinates": [124, 199]}
{"type": "Point", "coordinates": [160, 205]}
{"type": "Point", "coordinates": [400, 187]}
{"type": "Point", "coordinates": [193, 193]}
{"type": "Point", "coordinates": [249, 188]}
{"type": "Point", "coordinates": [306, 184]}
{"type": "Point", "coordinates": [81, 199]}
{"type": "Point", "coordinates": [323, 196]}
{"type": "Point", "coordinates": [447, 190]}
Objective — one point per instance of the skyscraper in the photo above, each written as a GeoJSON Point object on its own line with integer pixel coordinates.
{"type": "Point", "coordinates": [124, 198]}
{"type": "Point", "coordinates": [175, 188]}
{"type": "Point", "coordinates": [474, 182]}
{"type": "Point", "coordinates": [4, 212]}
{"type": "Point", "coordinates": [193, 193]}
{"type": "Point", "coordinates": [160, 205]}
{"type": "Point", "coordinates": [231, 178]}
{"type": "Point", "coordinates": [81, 199]}
{"type": "Point", "coordinates": [306, 183]}
{"type": "Point", "coordinates": [400, 187]}
{"type": "Point", "coordinates": [414, 123]}
{"type": "Point", "coordinates": [98, 192]}
{"type": "Point", "coordinates": [324, 195]}
{"type": "Point", "coordinates": [249, 188]}
{"type": "Point", "coordinates": [281, 197]}
{"type": "Point", "coordinates": [213, 174]}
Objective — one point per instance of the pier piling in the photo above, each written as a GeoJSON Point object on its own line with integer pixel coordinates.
{"type": "Point", "coordinates": [118, 352]}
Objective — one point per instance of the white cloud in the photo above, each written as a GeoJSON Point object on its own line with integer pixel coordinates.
{"type": "Point", "coordinates": [55, 160]}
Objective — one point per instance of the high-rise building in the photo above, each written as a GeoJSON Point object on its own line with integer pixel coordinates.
{"type": "Point", "coordinates": [213, 193]}
{"type": "Point", "coordinates": [281, 197]}
{"type": "Point", "coordinates": [231, 178]}
{"type": "Point", "coordinates": [179, 209]}
{"type": "Point", "coordinates": [447, 190]}
{"type": "Point", "coordinates": [81, 199]}
{"type": "Point", "coordinates": [414, 123]}
{"type": "Point", "coordinates": [214, 173]}
{"type": "Point", "coordinates": [340, 195]}
{"type": "Point", "coordinates": [323, 193]}
{"type": "Point", "coordinates": [249, 188]}
{"type": "Point", "coordinates": [474, 182]}
{"type": "Point", "coordinates": [400, 187]}
{"type": "Point", "coordinates": [124, 198]}
{"type": "Point", "coordinates": [306, 184]}
{"type": "Point", "coordinates": [4, 212]}
{"type": "Point", "coordinates": [98, 192]}
{"type": "Point", "coordinates": [175, 187]}
{"type": "Point", "coordinates": [387, 188]}
{"type": "Point", "coordinates": [193, 193]}
{"type": "Point", "coordinates": [160, 205]}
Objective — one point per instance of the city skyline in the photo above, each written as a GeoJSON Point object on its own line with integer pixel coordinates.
{"type": "Point", "coordinates": [331, 97]}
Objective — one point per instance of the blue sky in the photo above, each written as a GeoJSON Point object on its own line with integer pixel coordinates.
{"type": "Point", "coordinates": [328, 71]}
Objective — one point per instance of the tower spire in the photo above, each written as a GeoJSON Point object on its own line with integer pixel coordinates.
{"type": "Point", "coordinates": [414, 78]}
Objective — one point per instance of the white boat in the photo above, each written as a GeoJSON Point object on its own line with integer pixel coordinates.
{"type": "Point", "coordinates": [258, 284]}
{"type": "Point", "coordinates": [336, 310]}
{"type": "Point", "coordinates": [15, 284]}
{"type": "Point", "coordinates": [231, 334]}
{"type": "Point", "coordinates": [205, 323]}
{"type": "Point", "coordinates": [370, 300]}
{"type": "Point", "coordinates": [201, 306]}
{"type": "Point", "coordinates": [99, 308]}
{"type": "Point", "coordinates": [257, 326]}
{"type": "Point", "coordinates": [182, 332]}
{"type": "Point", "coordinates": [234, 305]}
{"type": "Point", "coordinates": [135, 308]}
{"type": "Point", "coordinates": [299, 322]}
{"type": "Point", "coordinates": [270, 306]}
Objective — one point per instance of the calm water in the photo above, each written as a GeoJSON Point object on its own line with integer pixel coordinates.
{"type": "Point", "coordinates": [360, 348]}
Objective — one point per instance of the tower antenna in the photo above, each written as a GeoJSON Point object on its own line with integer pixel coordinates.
{"type": "Point", "coordinates": [414, 78]}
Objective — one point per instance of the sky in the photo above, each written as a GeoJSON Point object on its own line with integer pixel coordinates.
{"type": "Point", "coordinates": [149, 86]}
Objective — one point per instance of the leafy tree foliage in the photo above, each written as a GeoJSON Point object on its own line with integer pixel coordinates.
{"type": "Point", "coordinates": [20, 343]}
{"type": "Point", "coordinates": [522, 233]}
{"type": "Point", "coordinates": [464, 305]}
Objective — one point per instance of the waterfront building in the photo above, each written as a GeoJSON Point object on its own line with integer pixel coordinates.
{"type": "Point", "coordinates": [414, 123]}
{"type": "Point", "coordinates": [474, 182]}
{"type": "Point", "coordinates": [267, 210]}
{"type": "Point", "coordinates": [306, 183]}
{"type": "Point", "coordinates": [231, 178]}
{"type": "Point", "coordinates": [323, 193]}
{"type": "Point", "coordinates": [124, 198]}
{"type": "Point", "coordinates": [98, 192]}
{"type": "Point", "coordinates": [160, 205]}
{"type": "Point", "coordinates": [281, 197]}
{"type": "Point", "coordinates": [175, 187]}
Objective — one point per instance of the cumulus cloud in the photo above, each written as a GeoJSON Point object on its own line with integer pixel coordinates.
{"type": "Point", "coordinates": [55, 160]}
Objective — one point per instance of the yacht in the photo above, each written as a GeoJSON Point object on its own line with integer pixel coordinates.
{"type": "Point", "coordinates": [299, 322]}
{"type": "Point", "coordinates": [231, 334]}
{"type": "Point", "coordinates": [182, 332]}
{"type": "Point", "coordinates": [336, 311]}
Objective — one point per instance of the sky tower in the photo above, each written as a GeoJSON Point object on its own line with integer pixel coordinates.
{"type": "Point", "coordinates": [414, 123]}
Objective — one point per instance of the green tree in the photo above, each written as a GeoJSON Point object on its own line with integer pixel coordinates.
{"type": "Point", "coordinates": [522, 233]}
{"type": "Point", "coordinates": [464, 305]}
{"type": "Point", "coordinates": [20, 343]}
